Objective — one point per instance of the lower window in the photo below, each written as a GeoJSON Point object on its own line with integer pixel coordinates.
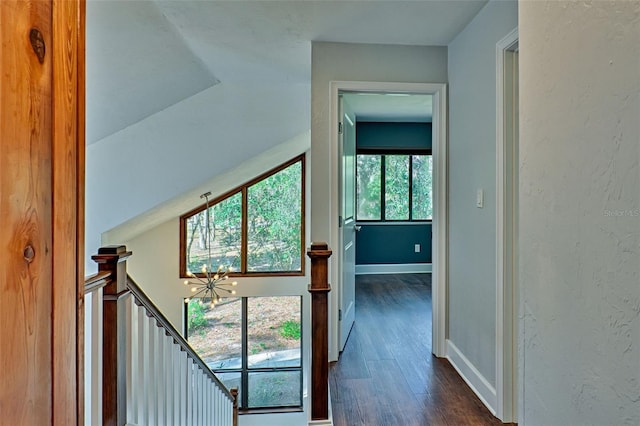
{"type": "Point", "coordinates": [253, 344]}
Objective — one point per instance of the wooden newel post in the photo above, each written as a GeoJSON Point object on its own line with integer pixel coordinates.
{"type": "Point", "coordinates": [114, 380]}
{"type": "Point", "coordinates": [234, 394]}
{"type": "Point", "coordinates": [319, 254]}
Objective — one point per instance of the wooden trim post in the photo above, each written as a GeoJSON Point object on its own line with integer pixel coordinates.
{"type": "Point", "coordinates": [319, 254]}
{"type": "Point", "coordinates": [114, 379]}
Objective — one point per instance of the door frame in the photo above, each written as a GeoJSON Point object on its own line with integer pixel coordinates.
{"type": "Point", "coordinates": [506, 239]}
{"type": "Point", "coordinates": [439, 227]}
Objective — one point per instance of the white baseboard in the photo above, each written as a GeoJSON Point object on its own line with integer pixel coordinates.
{"type": "Point", "coordinates": [395, 268]}
{"type": "Point", "coordinates": [472, 376]}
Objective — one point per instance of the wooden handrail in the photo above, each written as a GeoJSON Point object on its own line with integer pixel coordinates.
{"type": "Point", "coordinates": [141, 299]}
{"type": "Point", "coordinates": [96, 281]}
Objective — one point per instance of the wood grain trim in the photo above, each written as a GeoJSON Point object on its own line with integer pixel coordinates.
{"type": "Point", "coordinates": [80, 201]}
{"type": "Point", "coordinates": [67, 284]}
{"type": "Point", "coordinates": [25, 215]}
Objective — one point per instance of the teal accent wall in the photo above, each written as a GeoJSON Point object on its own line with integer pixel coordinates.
{"type": "Point", "coordinates": [393, 135]}
{"type": "Point", "coordinates": [390, 243]}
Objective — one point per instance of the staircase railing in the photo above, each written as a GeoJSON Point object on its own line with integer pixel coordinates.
{"type": "Point", "coordinates": [139, 368]}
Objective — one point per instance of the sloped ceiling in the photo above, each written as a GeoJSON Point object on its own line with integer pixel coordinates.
{"type": "Point", "coordinates": [143, 56]}
{"type": "Point", "coordinates": [137, 65]}
{"type": "Point", "coordinates": [181, 91]}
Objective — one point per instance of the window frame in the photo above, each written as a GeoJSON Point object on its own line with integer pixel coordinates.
{"type": "Point", "coordinates": [245, 370]}
{"type": "Point", "coordinates": [244, 189]}
{"type": "Point", "coordinates": [383, 152]}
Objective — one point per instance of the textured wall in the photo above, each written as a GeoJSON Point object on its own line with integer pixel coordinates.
{"type": "Point", "coordinates": [580, 212]}
{"type": "Point", "coordinates": [472, 165]}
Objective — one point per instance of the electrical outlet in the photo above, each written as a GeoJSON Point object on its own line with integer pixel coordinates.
{"type": "Point", "coordinates": [417, 248]}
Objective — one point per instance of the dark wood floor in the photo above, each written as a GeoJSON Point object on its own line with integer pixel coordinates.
{"type": "Point", "coordinates": [386, 375]}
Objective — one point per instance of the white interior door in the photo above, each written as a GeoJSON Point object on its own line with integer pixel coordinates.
{"type": "Point", "coordinates": [347, 141]}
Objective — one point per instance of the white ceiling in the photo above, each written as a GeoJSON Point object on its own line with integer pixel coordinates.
{"type": "Point", "coordinates": [145, 56]}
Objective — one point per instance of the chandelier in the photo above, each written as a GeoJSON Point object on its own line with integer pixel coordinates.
{"type": "Point", "coordinates": [211, 284]}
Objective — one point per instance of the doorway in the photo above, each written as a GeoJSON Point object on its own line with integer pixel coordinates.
{"type": "Point", "coordinates": [438, 93]}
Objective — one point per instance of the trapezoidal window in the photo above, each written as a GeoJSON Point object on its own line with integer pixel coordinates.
{"type": "Point", "coordinates": [256, 229]}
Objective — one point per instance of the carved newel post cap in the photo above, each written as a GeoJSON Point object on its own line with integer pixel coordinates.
{"type": "Point", "coordinates": [319, 250]}
{"type": "Point", "coordinates": [111, 254]}
{"type": "Point", "coordinates": [115, 249]}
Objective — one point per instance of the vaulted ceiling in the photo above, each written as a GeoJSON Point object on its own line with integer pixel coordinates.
{"type": "Point", "coordinates": [144, 56]}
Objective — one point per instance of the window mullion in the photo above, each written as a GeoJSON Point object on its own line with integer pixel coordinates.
{"type": "Point", "coordinates": [244, 239]}
{"type": "Point", "coordinates": [410, 187]}
{"type": "Point", "coordinates": [383, 187]}
{"type": "Point", "coordinates": [244, 374]}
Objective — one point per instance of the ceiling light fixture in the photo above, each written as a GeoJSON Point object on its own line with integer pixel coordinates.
{"type": "Point", "coordinates": [210, 284]}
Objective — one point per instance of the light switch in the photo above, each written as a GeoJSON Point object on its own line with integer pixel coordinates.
{"type": "Point", "coordinates": [417, 248]}
{"type": "Point", "coordinates": [480, 198]}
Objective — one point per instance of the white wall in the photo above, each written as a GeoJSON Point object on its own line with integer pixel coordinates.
{"type": "Point", "coordinates": [353, 62]}
{"type": "Point", "coordinates": [580, 212]}
{"type": "Point", "coordinates": [472, 166]}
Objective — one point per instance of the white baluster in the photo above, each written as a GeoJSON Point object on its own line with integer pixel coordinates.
{"type": "Point", "coordinates": [160, 374]}
{"type": "Point", "coordinates": [205, 394]}
{"type": "Point", "coordinates": [97, 325]}
{"type": "Point", "coordinates": [88, 358]}
{"type": "Point", "coordinates": [169, 396]}
{"type": "Point", "coordinates": [199, 396]}
{"type": "Point", "coordinates": [226, 409]}
{"type": "Point", "coordinates": [183, 389]}
{"type": "Point", "coordinates": [208, 402]}
{"type": "Point", "coordinates": [151, 387]}
{"type": "Point", "coordinates": [190, 407]}
{"type": "Point", "coordinates": [213, 405]}
{"type": "Point", "coordinates": [203, 399]}
{"type": "Point", "coordinates": [132, 361]}
{"type": "Point", "coordinates": [220, 408]}
{"type": "Point", "coordinates": [143, 366]}
{"type": "Point", "coordinates": [228, 412]}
